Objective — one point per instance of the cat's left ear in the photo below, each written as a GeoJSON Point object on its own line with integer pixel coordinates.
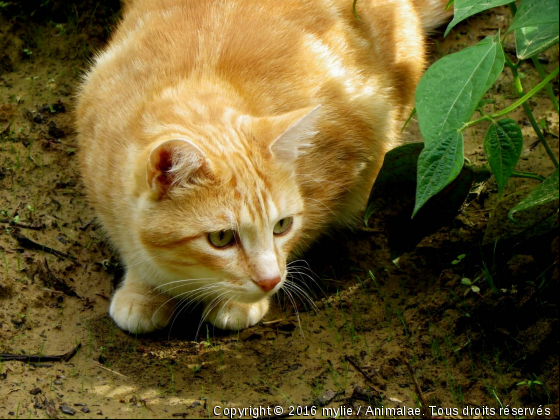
{"type": "Point", "coordinates": [175, 162]}
{"type": "Point", "coordinates": [295, 130]}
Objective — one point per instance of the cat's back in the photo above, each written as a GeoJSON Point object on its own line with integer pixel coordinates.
{"type": "Point", "coordinates": [267, 57]}
{"type": "Point", "coordinates": [282, 47]}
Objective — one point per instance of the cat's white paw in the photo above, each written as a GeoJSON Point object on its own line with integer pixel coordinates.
{"type": "Point", "coordinates": [236, 316]}
{"type": "Point", "coordinates": [137, 310]}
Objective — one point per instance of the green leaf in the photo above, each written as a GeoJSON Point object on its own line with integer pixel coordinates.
{"type": "Point", "coordinates": [392, 212]}
{"type": "Point", "coordinates": [533, 40]}
{"type": "Point", "coordinates": [438, 165]}
{"type": "Point", "coordinates": [400, 167]}
{"type": "Point", "coordinates": [544, 193]}
{"type": "Point", "coordinates": [452, 88]}
{"type": "Point", "coordinates": [466, 8]}
{"type": "Point", "coordinates": [503, 145]}
{"type": "Point", "coordinates": [534, 13]}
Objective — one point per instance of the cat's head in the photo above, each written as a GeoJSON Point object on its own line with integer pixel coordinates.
{"type": "Point", "coordinates": [221, 215]}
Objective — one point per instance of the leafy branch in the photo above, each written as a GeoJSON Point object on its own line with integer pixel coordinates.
{"type": "Point", "coordinates": [451, 91]}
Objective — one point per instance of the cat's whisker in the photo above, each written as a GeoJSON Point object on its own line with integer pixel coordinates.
{"type": "Point", "coordinates": [194, 282]}
{"type": "Point", "coordinates": [295, 270]}
{"type": "Point", "coordinates": [181, 296]}
{"type": "Point", "coordinates": [224, 307]}
{"type": "Point", "coordinates": [303, 295]}
{"type": "Point", "coordinates": [209, 308]}
{"type": "Point", "coordinates": [296, 261]}
{"type": "Point", "coordinates": [181, 306]}
{"type": "Point", "coordinates": [185, 281]}
{"type": "Point", "coordinates": [288, 293]}
{"type": "Point", "coordinates": [179, 284]}
{"type": "Point", "coordinates": [292, 279]}
{"type": "Point", "coordinates": [186, 302]}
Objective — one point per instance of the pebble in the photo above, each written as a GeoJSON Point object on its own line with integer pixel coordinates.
{"type": "Point", "coordinates": [85, 409]}
{"type": "Point", "coordinates": [67, 410]}
{"type": "Point", "coordinates": [35, 391]}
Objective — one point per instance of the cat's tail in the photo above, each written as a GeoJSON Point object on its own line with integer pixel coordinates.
{"type": "Point", "coordinates": [433, 13]}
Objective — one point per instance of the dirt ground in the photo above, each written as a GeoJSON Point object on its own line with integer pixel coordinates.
{"type": "Point", "coordinates": [384, 335]}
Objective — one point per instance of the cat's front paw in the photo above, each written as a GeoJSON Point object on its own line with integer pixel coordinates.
{"type": "Point", "coordinates": [139, 309]}
{"type": "Point", "coordinates": [236, 316]}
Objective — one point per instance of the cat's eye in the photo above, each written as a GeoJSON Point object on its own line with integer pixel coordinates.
{"type": "Point", "coordinates": [222, 238]}
{"type": "Point", "coordinates": [283, 225]}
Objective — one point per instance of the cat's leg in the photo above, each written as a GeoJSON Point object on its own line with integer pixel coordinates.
{"type": "Point", "coordinates": [138, 308]}
{"type": "Point", "coordinates": [237, 315]}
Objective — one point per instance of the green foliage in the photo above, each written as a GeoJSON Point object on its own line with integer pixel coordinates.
{"type": "Point", "coordinates": [438, 165]}
{"type": "Point", "coordinates": [534, 13]}
{"type": "Point", "coordinates": [466, 8]}
{"type": "Point", "coordinates": [533, 40]}
{"type": "Point", "coordinates": [399, 173]}
{"type": "Point", "coordinates": [452, 90]}
{"type": "Point", "coordinates": [459, 259]}
{"type": "Point", "coordinates": [544, 193]}
{"type": "Point", "coordinates": [503, 146]}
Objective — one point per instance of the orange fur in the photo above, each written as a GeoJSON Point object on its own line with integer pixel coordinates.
{"type": "Point", "coordinates": [210, 115]}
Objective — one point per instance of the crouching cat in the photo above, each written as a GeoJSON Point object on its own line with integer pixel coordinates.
{"type": "Point", "coordinates": [219, 138]}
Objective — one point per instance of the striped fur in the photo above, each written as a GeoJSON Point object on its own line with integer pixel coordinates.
{"type": "Point", "coordinates": [209, 115]}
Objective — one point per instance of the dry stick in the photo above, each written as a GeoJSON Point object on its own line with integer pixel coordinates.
{"type": "Point", "coordinates": [5, 357]}
{"type": "Point", "coordinates": [29, 244]}
{"type": "Point", "coordinates": [114, 372]}
{"type": "Point", "coordinates": [364, 374]}
{"type": "Point", "coordinates": [23, 225]}
{"type": "Point", "coordinates": [419, 391]}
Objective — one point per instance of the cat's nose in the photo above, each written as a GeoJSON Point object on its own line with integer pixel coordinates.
{"type": "Point", "coordinates": [268, 284]}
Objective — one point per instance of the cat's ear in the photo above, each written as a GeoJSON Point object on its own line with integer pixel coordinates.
{"type": "Point", "coordinates": [175, 162]}
{"type": "Point", "coordinates": [294, 130]}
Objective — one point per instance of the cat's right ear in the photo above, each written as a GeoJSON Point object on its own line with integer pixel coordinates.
{"type": "Point", "coordinates": [175, 162]}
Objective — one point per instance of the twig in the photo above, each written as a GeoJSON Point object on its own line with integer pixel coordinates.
{"type": "Point", "coordinates": [29, 244]}
{"type": "Point", "coordinates": [364, 374]}
{"type": "Point", "coordinates": [419, 391]}
{"type": "Point", "coordinates": [5, 357]}
{"type": "Point", "coordinates": [23, 225]}
{"type": "Point", "coordinates": [271, 323]}
{"type": "Point", "coordinates": [114, 372]}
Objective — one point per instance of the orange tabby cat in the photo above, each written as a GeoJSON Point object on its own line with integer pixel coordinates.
{"type": "Point", "coordinates": [221, 137]}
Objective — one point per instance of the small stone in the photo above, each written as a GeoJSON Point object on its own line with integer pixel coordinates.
{"type": "Point", "coordinates": [35, 391]}
{"type": "Point", "coordinates": [67, 410]}
{"type": "Point", "coordinates": [85, 409]}
{"type": "Point", "coordinates": [195, 404]}
{"type": "Point", "coordinates": [57, 382]}
{"type": "Point", "coordinates": [55, 132]}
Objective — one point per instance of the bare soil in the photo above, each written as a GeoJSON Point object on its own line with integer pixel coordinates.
{"type": "Point", "coordinates": [384, 335]}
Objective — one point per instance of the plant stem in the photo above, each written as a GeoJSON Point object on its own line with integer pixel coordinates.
{"type": "Point", "coordinates": [530, 175]}
{"type": "Point", "coordinates": [534, 124]}
{"type": "Point", "coordinates": [549, 90]}
{"type": "Point", "coordinates": [519, 102]}
{"type": "Point", "coordinates": [355, 11]}
{"type": "Point", "coordinates": [531, 93]}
